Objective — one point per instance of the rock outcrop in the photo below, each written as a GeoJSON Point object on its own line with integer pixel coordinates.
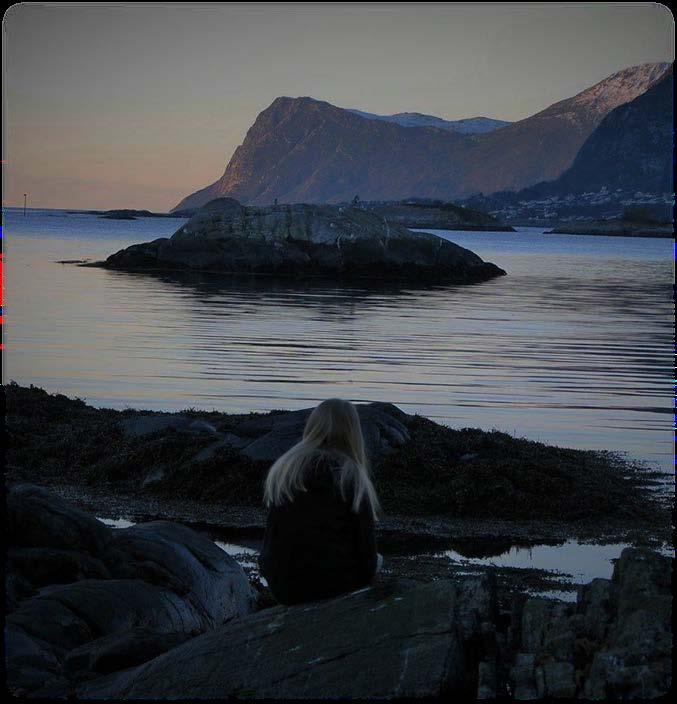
{"type": "Point", "coordinates": [381, 642]}
{"type": "Point", "coordinates": [302, 149]}
{"type": "Point", "coordinates": [616, 227]}
{"type": "Point", "coordinates": [158, 611]}
{"type": "Point", "coordinates": [614, 643]}
{"type": "Point", "coordinates": [83, 599]}
{"type": "Point", "coordinates": [329, 241]}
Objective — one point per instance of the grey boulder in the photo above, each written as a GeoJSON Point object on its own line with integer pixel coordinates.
{"type": "Point", "coordinates": [266, 437]}
{"type": "Point", "coordinates": [381, 642]}
{"type": "Point", "coordinates": [38, 518]}
{"type": "Point", "coordinates": [382, 428]}
{"type": "Point", "coordinates": [86, 599]}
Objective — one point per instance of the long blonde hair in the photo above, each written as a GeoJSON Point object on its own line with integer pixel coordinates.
{"type": "Point", "coordinates": [333, 426]}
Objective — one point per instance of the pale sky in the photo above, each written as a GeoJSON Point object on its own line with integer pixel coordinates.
{"type": "Point", "coordinates": [112, 106]}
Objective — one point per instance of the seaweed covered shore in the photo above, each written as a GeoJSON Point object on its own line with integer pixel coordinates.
{"type": "Point", "coordinates": [422, 470]}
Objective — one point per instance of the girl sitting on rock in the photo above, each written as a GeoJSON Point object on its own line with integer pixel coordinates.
{"type": "Point", "coordinates": [319, 539]}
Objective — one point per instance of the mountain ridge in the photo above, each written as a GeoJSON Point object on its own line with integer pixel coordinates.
{"type": "Point", "coordinates": [308, 150]}
{"type": "Point", "coordinates": [630, 149]}
{"type": "Point", "coordinates": [467, 125]}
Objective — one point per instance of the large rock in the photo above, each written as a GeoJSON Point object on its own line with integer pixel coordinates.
{"type": "Point", "coordinates": [635, 660]}
{"type": "Point", "coordinates": [86, 599]}
{"type": "Point", "coordinates": [385, 641]}
{"type": "Point", "coordinates": [381, 423]}
{"type": "Point", "coordinates": [38, 518]}
{"type": "Point", "coordinates": [311, 240]}
{"type": "Point", "coordinates": [266, 437]}
{"type": "Point", "coordinates": [614, 643]}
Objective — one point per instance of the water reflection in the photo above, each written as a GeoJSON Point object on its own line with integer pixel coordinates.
{"type": "Point", "coordinates": [583, 562]}
{"type": "Point", "coordinates": [328, 298]}
{"type": "Point", "coordinates": [578, 562]}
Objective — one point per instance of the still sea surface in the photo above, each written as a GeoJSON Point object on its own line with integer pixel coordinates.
{"type": "Point", "coordinates": [573, 347]}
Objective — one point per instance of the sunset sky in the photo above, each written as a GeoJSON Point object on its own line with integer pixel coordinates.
{"type": "Point", "coordinates": [113, 106]}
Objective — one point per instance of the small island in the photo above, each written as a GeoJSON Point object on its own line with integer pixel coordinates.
{"type": "Point", "coordinates": [615, 228]}
{"type": "Point", "coordinates": [425, 213]}
{"type": "Point", "coordinates": [129, 214]}
{"type": "Point", "coordinates": [126, 214]}
{"type": "Point", "coordinates": [632, 222]}
{"type": "Point", "coordinates": [326, 241]}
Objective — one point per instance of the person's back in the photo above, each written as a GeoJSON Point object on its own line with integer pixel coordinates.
{"type": "Point", "coordinates": [320, 538]}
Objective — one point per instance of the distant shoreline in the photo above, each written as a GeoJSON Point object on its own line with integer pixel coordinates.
{"type": "Point", "coordinates": [618, 228]}
{"type": "Point", "coordinates": [592, 229]}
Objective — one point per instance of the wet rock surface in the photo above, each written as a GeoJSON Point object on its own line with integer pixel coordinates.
{"type": "Point", "coordinates": [300, 239]}
{"type": "Point", "coordinates": [614, 643]}
{"type": "Point", "coordinates": [385, 641]}
{"type": "Point", "coordinates": [82, 598]}
{"type": "Point", "coordinates": [159, 611]}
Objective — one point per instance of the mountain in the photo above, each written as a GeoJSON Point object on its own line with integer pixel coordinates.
{"type": "Point", "coordinates": [306, 150]}
{"type": "Point", "coordinates": [631, 149]}
{"type": "Point", "coordinates": [469, 125]}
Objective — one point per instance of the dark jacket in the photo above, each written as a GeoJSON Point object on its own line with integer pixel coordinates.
{"type": "Point", "coordinates": [316, 546]}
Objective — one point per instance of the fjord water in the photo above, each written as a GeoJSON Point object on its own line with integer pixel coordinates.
{"type": "Point", "coordinates": [573, 347]}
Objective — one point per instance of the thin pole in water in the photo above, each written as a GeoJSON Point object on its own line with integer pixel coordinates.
{"type": "Point", "coordinates": [25, 204]}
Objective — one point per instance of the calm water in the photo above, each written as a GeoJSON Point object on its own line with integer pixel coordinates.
{"type": "Point", "coordinates": [573, 347]}
{"type": "Point", "coordinates": [575, 562]}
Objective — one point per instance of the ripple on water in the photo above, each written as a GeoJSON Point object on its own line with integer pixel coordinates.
{"type": "Point", "coordinates": [573, 347]}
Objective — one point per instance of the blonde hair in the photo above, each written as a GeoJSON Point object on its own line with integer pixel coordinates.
{"type": "Point", "coordinates": [333, 426]}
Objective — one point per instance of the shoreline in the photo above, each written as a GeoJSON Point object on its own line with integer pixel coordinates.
{"type": "Point", "coordinates": [414, 548]}
{"type": "Point", "coordinates": [205, 470]}
{"type": "Point", "coordinates": [251, 520]}
{"type": "Point", "coordinates": [427, 474]}
{"type": "Point", "coordinates": [594, 229]}
{"type": "Point", "coordinates": [410, 281]}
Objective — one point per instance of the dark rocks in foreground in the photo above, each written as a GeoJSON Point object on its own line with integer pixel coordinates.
{"type": "Point", "coordinates": [614, 643]}
{"type": "Point", "coordinates": [83, 599]}
{"type": "Point", "coordinates": [382, 642]}
{"type": "Point", "coordinates": [420, 468]}
{"type": "Point", "coordinates": [304, 240]}
{"type": "Point", "coordinates": [158, 611]}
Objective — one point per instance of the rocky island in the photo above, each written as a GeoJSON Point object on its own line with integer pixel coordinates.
{"type": "Point", "coordinates": [615, 228]}
{"type": "Point", "coordinates": [304, 240]}
{"type": "Point", "coordinates": [633, 222]}
{"type": "Point", "coordinates": [127, 214]}
{"type": "Point", "coordinates": [423, 213]}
